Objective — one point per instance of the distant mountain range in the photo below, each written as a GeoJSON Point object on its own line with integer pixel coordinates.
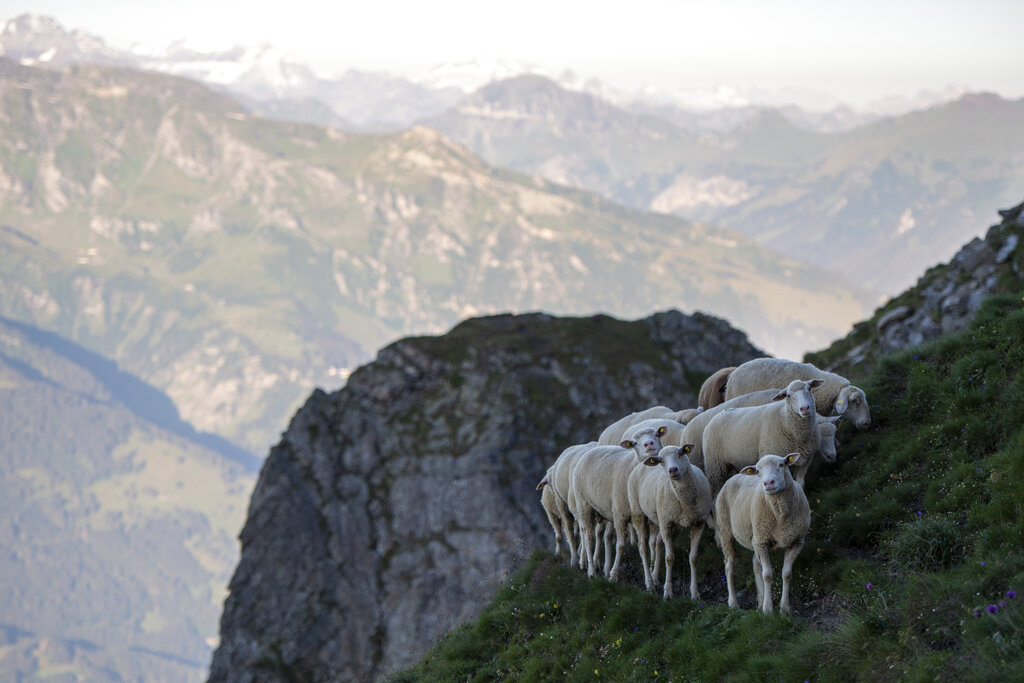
{"type": "Point", "coordinates": [876, 195]}
{"type": "Point", "coordinates": [372, 101]}
{"type": "Point", "coordinates": [236, 262]}
{"type": "Point", "coordinates": [878, 204]}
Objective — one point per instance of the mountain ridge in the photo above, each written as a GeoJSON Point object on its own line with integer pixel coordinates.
{"type": "Point", "coordinates": [235, 262]}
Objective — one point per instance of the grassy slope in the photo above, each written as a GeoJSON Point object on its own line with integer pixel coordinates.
{"type": "Point", "coordinates": [917, 534]}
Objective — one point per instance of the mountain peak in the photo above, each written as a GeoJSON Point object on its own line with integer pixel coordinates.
{"type": "Point", "coordinates": [37, 39]}
{"type": "Point", "coordinates": [29, 24]}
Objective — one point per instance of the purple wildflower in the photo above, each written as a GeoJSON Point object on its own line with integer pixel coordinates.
{"type": "Point", "coordinates": [1011, 594]}
{"type": "Point", "coordinates": [992, 609]}
{"type": "Point", "coordinates": [868, 586]}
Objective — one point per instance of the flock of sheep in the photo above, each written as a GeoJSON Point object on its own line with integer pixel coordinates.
{"type": "Point", "coordinates": [658, 469]}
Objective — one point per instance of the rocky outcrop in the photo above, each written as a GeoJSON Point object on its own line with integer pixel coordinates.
{"type": "Point", "coordinates": [944, 300]}
{"type": "Point", "coordinates": [392, 509]}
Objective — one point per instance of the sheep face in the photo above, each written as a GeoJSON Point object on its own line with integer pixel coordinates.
{"type": "Point", "coordinates": [672, 458]}
{"type": "Point", "coordinates": [799, 397]}
{"type": "Point", "coordinates": [829, 443]}
{"type": "Point", "coordinates": [645, 443]}
{"type": "Point", "coordinates": [852, 404]}
{"type": "Point", "coordinates": [773, 471]}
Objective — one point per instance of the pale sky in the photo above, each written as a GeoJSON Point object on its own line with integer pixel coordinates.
{"type": "Point", "coordinates": [857, 51]}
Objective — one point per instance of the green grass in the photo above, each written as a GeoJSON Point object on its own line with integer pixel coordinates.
{"type": "Point", "coordinates": [916, 547]}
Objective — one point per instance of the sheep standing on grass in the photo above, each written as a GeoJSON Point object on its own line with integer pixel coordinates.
{"type": "Point", "coordinates": [616, 432]}
{"type": "Point", "coordinates": [597, 489]}
{"type": "Point", "coordinates": [738, 437]}
{"type": "Point", "coordinates": [763, 507]}
{"type": "Point", "coordinates": [834, 394]}
{"type": "Point", "coordinates": [693, 432]}
{"type": "Point", "coordinates": [557, 479]}
{"type": "Point", "coordinates": [669, 492]}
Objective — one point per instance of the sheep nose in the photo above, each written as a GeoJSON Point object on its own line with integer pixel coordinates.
{"type": "Point", "coordinates": [673, 471]}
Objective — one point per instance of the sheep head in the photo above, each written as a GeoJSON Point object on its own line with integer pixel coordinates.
{"type": "Point", "coordinates": [774, 472]}
{"type": "Point", "coordinates": [799, 397]}
{"type": "Point", "coordinates": [852, 403]}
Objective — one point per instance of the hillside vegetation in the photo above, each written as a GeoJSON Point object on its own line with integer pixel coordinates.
{"type": "Point", "coordinates": [911, 569]}
{"type": "Point", "coordinates": [118, 525]}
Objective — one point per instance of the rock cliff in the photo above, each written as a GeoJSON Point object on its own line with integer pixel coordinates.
{"type": "Point", "coordinates": [392, 509]}
{"type": "Point", "coordinates": [944, 300]}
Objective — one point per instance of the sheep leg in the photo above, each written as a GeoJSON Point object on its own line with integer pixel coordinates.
{"type": "Point", "coordinates": [695, 534]}
{"type": "Point", "coordinates": [762, 550]}
{"type": "Point", "coordinates": [787, 574]}
{"type": "Point", "coordinates": [640, 524]}
{"type": "Point", "coordinates": [609, 529]}
{"type": "Point", "coordinates": [620, 545]}
{"type": "Point", "coordinates": [567, 528]}
{"type": "Point", "coordinates": [656, 551]}
{"type": "Point", "coordinates": [670, 558]}
{"type": "Point", "coordinates": [586, 521]}
{"type": "Point", "coordinates": [758, 580]}
{"type": "Point", "coordinates": [729, 552]}
{"type": "Point", "coordinates": [596, 548]}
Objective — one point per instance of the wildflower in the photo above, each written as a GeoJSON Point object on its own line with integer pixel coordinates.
{"type": "Point", "coordinates": [977, 611]}
{"type": "Point", "coordinates": [1002, 603]}
{"type": "Point", "coordinates": [868, 586]}
{"type": "Point", "coordinates": [1011, 594]}
{"type": "Point", "coordinates": [992, 609]}
{"type": "Point", "coordinates": [983, 563]}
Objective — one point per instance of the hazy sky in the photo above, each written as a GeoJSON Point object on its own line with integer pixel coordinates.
{"type": "Point", "coordinates": [855, 50]}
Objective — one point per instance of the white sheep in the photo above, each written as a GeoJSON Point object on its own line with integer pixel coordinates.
{"type": "Point", "coordinates": [557, 478]}
{"type": "Point", "coordinates": [740, 436]}
{"type": "Point", "coordinates": [693, 432]}
{"type": "Point", "coordinates": [834, 394]}
{"type": "Point", "coordinates": [763, 508]}
{"type": "Point", "coordinates": [616, 432]}
{"type": "Point", "coordinates": [597, 488]}
{"type": "Point", "coordinates": [669, 492]}
{"type": "Point", "coordinates": [668, 430]}
{"type": "Point", "coordinates": [828, 447]}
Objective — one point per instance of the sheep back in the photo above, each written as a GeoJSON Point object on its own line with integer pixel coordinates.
{"type": "Point", "coordinates": [764, 373]}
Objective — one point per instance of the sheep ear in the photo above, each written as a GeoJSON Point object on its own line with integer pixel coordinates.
{"type": "Point", "coordinates": [661, 431]}
{"type": "Point", "coordinates": [792, 459]}
{"type": "Point", "coordinates": [686, 448]}
{"type": "Point", "coordinates": [653, 460]}
{"type": "Point", "coordinates": [834, 419]}
{"type": "Point", "coordinates": [628, 443]}
{"type": "Point", "coordinates": [749, 470]}
{"type": "Point", "coordinates": [542, 484]}
{"type": "Point", "coordinates": [843, 399]}
{"type": "Point", "coordinates": [814, 383]}
{"type": "Point", "coordinates": [781, 395]}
